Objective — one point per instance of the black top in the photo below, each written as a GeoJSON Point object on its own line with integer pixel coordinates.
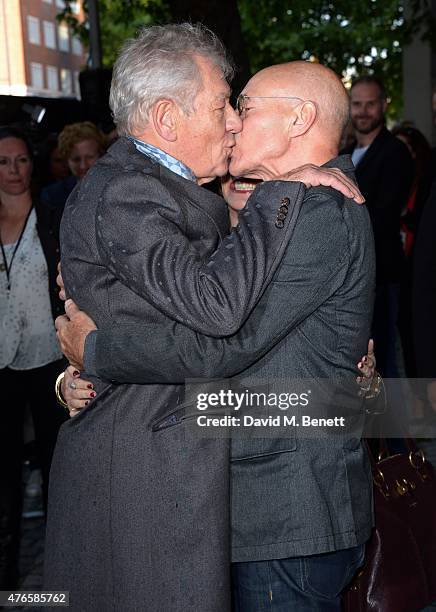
{"type": "Point", "coordinates": [48, 218]}
{"type": "Point", "coordinates": [57, 193]}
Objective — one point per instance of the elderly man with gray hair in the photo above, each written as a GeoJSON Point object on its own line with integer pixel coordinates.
{"type": "Point", "coordinates": [139, 510]}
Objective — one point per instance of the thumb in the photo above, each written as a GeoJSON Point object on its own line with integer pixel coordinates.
{"type": "Point", "coordinates": [71, 309]}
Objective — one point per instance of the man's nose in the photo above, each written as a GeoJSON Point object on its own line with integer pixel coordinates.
{"type": "Point", "coordinates": [233, 121]}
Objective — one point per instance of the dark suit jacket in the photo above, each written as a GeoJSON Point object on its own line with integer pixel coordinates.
{"type": "Point", "coordinates": [384, 176]}
{"type": "Point", "coordinates": [424, 291]}
{"type": "Point", "coordinates": [150, 525]}
{"type": "Point", "coordinates": [291, 496]}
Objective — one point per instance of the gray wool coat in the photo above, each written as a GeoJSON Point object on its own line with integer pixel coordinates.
{"type": "Point", "coordinates": [138, 518]}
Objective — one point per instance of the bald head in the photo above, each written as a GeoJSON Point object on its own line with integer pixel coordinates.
{"type": "Point", "coordinates": [293, 114]}
{"type": "Point", "coordinates": [309, 81]}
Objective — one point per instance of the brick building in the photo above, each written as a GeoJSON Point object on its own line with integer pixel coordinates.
{"type": "Point", "coordinates": [38, 55]}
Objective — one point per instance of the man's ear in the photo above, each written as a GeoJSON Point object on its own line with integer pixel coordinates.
{"type": "Point", "coordinates": [163, 117]}
{"type": "Point", "coordinates": [303, 118]}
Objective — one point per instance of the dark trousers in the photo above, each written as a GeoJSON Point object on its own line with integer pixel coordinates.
{"type": "Point", "coordinates": [296, 584]}
{"type": "Point", "coordinates": [21, 387]}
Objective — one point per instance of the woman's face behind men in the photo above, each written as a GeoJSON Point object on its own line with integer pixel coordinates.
{"type": "Point", "coordinates": [83, 155]}
{"type": "Point", "coordinates": [15, 166]}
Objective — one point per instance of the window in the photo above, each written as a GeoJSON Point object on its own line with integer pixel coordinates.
{"type": "Point", "coordinates": [52, 78]}
{"type": "Point", "coordinates": [49, 35]}
{"type": "Point", "coordinates": [37, 75]}
{"type": "Point", "coordinates": [33, 30]}
{"type": "Point", "coordinates": [66, 83]}
{"type": "Point", "coordinates": [60, 4]}
{"type": "Point", "coordinates": [48, 1]}
{"type": "Point", "coordinates": [64, 44]}
{"type": "Point", "coordinates": [77, 46]}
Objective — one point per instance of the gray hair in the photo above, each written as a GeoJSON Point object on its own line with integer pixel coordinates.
{"type": "Point", "coordinates": [159, 63]}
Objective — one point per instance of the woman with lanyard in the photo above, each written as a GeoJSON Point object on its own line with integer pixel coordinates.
{"type": "Point", "coordinates": [30, 357]}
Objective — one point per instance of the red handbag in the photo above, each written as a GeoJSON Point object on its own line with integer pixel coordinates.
{"type": "Point", "coordinates": [399, 574]}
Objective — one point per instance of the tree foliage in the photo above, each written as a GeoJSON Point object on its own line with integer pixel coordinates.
{"type": "Point", "coordinates": [119, 20]}
{"type": "Point", "coordinates": [352, 38]}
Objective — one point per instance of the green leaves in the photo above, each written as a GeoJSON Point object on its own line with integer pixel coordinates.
{"type": "Point", "coordinates": [352, 38]}
{"type": "Point", "coordinates": [119, 20]}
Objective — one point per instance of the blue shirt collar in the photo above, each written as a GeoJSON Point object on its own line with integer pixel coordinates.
{"type": "Point", "coordinates": [164, 159]}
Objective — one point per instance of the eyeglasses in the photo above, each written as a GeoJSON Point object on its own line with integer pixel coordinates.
{"type": "Point", "coordinates": [241, 102]}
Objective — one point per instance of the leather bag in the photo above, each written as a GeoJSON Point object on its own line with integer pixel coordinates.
{"type": "Point", "coordinates": [399, 574]}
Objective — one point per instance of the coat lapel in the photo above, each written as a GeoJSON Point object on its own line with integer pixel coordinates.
{"type": "Point", "coordinates": [206, 202]}
{"type": "Point", "coordinates": [372, 151]}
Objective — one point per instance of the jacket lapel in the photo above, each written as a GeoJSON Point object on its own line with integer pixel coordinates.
{"type": "Point", "coordinates": [372, 151]}
{"type": "Point", "coordinates": [206, 202]}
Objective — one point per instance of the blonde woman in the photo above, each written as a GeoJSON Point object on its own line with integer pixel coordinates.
{"type": "Point", "coordinates": [80, 144]}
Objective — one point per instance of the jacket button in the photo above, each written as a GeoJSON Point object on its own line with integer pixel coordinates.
{"type": "Point", "coordinates": [279, 224]}
{"type": "Point", "coordinates": [284, 210]}
{"type": "Point", "coordinates": [286, 201]}
{"type": "Point", "coordinates": [281, 217]}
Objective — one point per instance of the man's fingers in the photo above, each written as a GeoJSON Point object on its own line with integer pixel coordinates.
{"type": "Point", "coordinates": [371, 348]}
{"type": "Point", "coordinates": [60, 284]}
{"type": "Point", "coordinates": [71, 309]}
{"type": "Point", "coordinates": [312, 176]}
{"type": "Point", "coordinates": [342, 183]}
{"type": "Point", "coordinates": [60, 322]}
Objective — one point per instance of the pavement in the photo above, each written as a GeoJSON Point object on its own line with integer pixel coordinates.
{"type": "Point", "coordinates": [31, 546]}
{"type": "Point", "coordinates": [32, 554]}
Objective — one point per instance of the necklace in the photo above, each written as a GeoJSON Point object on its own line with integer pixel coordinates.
{"type": "Point", "coordinates": [5, 266]}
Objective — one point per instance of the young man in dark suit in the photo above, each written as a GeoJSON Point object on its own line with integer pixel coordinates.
{"type": "Point", "coordinates": [384, 173]}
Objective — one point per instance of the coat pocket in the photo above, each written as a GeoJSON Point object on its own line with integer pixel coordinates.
{"type": "Point", "coordinates": [255, 448]}
{"type": "Point", "coordinates": [182, 412]}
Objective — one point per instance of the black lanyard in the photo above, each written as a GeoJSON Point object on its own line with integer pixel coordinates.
{"type": "Point", "coordinates": [7, 266]}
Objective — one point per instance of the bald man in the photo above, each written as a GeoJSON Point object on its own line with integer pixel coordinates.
{"type": "Point", "coordinates": [301, 507]}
